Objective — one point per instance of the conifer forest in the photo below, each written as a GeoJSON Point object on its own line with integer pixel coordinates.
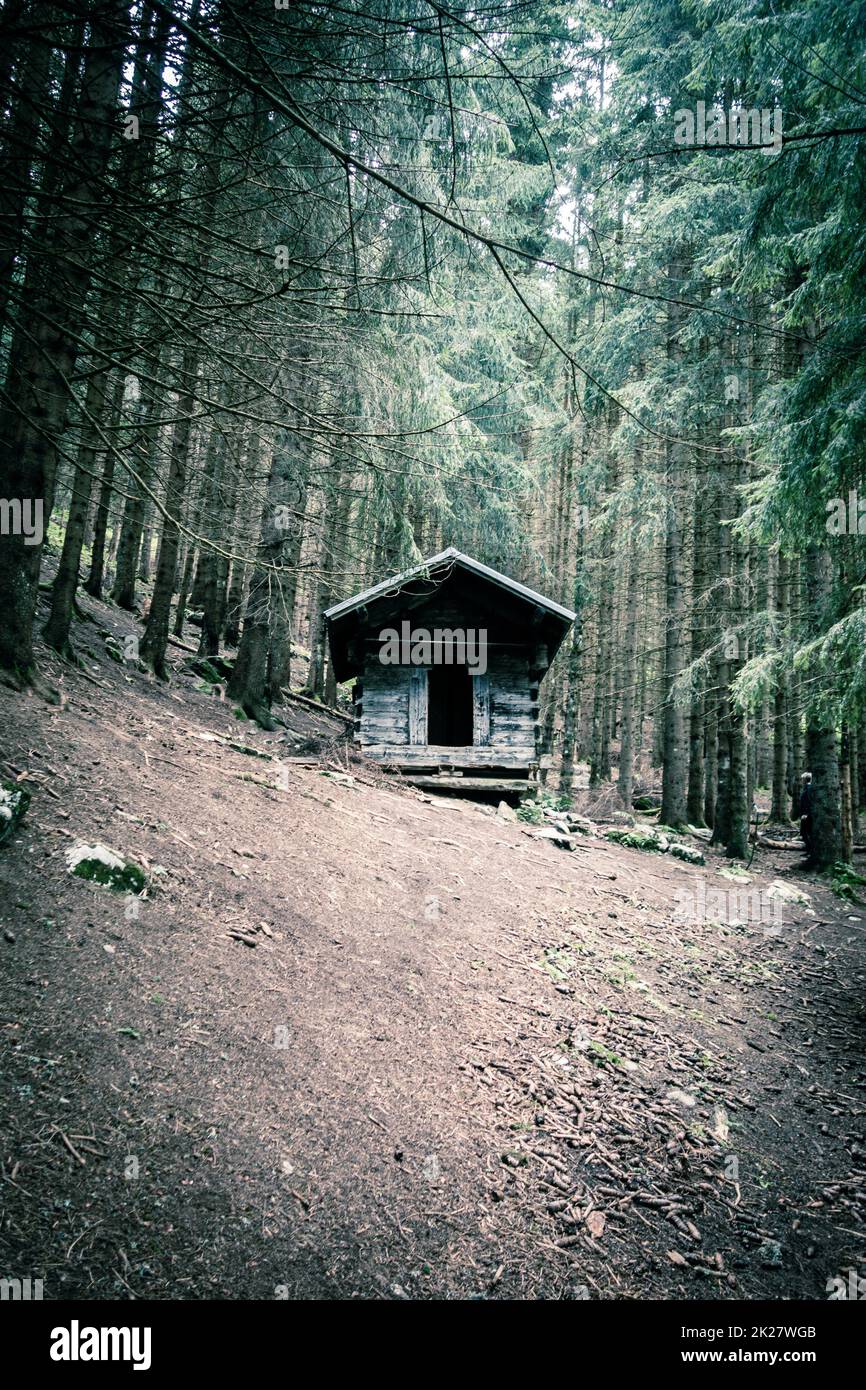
{"type": "Point", "coordinates": [336, 973]}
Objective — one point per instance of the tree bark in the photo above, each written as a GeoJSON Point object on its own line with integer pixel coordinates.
{"type": "Point", "coordinates": [32, 423]}
{"type": "Point", "coordinates": [779, 805]}
{"type": "Point", "coordinates": [155, 640]}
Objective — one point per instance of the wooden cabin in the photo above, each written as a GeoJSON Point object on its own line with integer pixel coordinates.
{"type": "Point", "coordinates": [447, 659]}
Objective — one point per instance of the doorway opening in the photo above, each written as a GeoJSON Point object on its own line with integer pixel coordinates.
{"type": "Point", "coordinates": [449, 706]}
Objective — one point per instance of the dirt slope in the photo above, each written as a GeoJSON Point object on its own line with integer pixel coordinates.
{"type": "Point", "coordinates": [457, 1061]}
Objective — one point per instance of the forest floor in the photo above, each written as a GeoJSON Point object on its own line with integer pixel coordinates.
{"type": "Point", "coordinates": [438, 1058]}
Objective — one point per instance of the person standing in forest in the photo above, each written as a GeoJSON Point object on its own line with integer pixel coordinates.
{"type": "Point", "coordinates": [807, 797]}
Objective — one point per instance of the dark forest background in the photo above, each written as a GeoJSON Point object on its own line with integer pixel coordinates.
{"type": "Point", "coordinates": [296, 295]}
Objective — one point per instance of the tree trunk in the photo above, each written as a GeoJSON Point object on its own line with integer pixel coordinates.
{"type": "Point", "coordinates": [96, 577]}
{"type": "Point", "coordinates": [249, 679]}
{"type": "Point", "coordinates": [155, 639]}
{"type": "Point", "coordinates": [65, 584]}
{"type": "Point", "coordinates": [779, 805]}
{"type": "Point", "coordinates": [674, 767]}
{"type": "Point", "coordinates": [821, 743]}
{"type": "Point", "coordinates": [846, 806]}
{"type": "Point", "coordinates": [629, 693]}
{"type": "Point", "coordinates": [33, 422]}
{"type": "Point", "coordinates": [695, 795]}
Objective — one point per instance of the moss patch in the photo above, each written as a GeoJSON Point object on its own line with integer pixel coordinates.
{"type": "Point", "coordinates": [654, 841]}
{"type": "Point", "coordinates": [847, 884]}
{"type": "Point", "coordinates": [99, 864]}
{"type": "Point", "coordinates": [685, 852]}
{"type": "Point", "coordinates": [635, 839]}
{"type": "Point", "coordinates": [14, 800]}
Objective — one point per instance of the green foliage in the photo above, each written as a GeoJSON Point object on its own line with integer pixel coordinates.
{"type": "Point", "coordinates": [14, 801]}
{"type": "Point", "coordinates": [635, 839]}
{"type": "Point", "coordinates": [846, 883]}
{"type": "Point", "coordinates": [602, 1055]}
{"type": "Point", "coordinates": [532, 810]}
{"type": "Point", "coordinates": [656, 841]}
{"type": "Point", "coordinates": [558, 962]}
{"type": "Point", "coordinates": [208, 673]}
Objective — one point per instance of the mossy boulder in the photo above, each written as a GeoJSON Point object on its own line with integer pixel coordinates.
{"type": "Point", "coordinates": [657, 843]}
{"type": "Point", "coordinates": [687, 853]}
{"type": "Point", "coordinates": [99, 864]}
{"type": "Point", "coordinates": [636, 839]}
{"type": "Point", "coordinates": [207, 671]}
{"type": "Point", "coordinates": [214, 669]}
{"type": "Point", "coordinates": [14, 800]}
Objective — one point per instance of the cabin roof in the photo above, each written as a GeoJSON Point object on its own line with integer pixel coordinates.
{"type": "Point", "coordinates": [344, 616]}
{"type": "Point", "coordinates": [454, 557]}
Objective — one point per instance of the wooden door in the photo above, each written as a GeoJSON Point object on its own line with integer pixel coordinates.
{"type": "Point", "coordinates": [417, 705]}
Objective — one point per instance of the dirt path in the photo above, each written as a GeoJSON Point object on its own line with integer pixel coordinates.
{"type": "Point", "coordinates": [456, 1061]}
